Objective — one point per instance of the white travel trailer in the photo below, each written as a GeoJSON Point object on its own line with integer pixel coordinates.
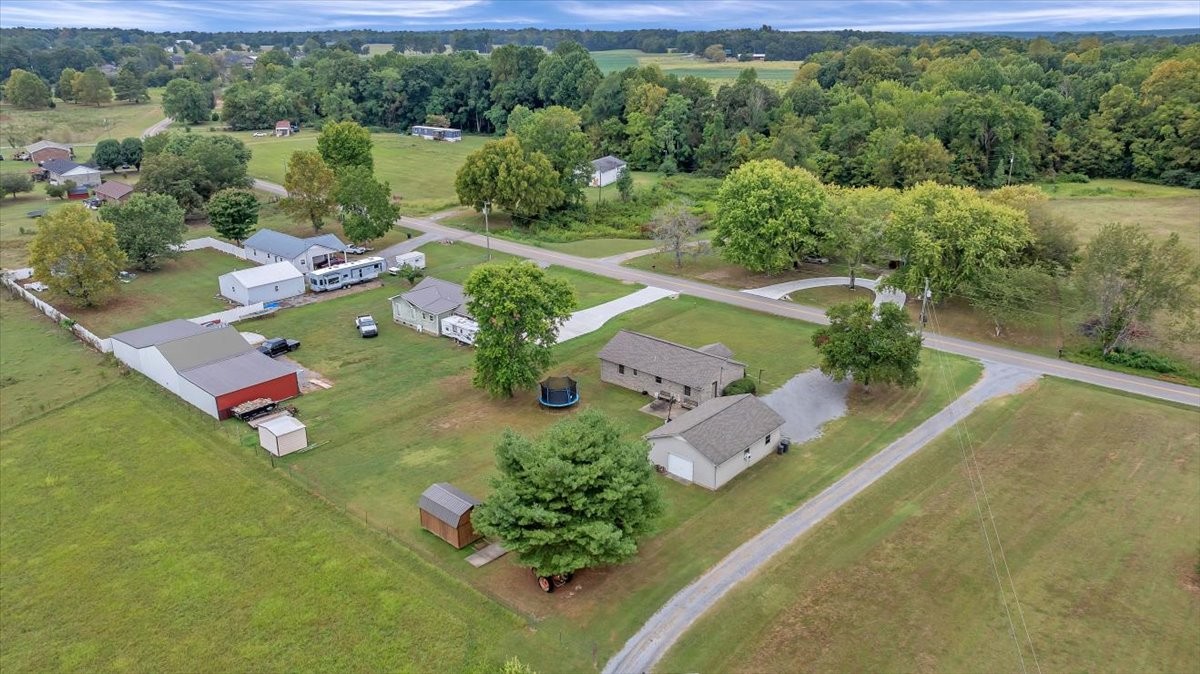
{"type": "Point", "coordinates": [415, 259]}
{"type": "Point", "coordinates": [460, 328]}
{"type": "Point", "coordinates": [345, 274]}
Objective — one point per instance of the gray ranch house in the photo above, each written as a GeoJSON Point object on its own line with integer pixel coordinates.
{"type": "Point", "coordinates": [315, 252]}
{"type": "Point", "coordinates": [425, 306]}
{"type": "Point", "coordinates": [656, 367]}
{"type": "Point", "coordinates": [722, 437]}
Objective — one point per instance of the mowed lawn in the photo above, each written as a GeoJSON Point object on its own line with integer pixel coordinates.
{"type": "Point", "coordinates": [403, 414]}
{"type": "Point", "coordinates": [138, 538]}
{"type": "Point", "coordinates": [686, 64]}
{"type": "Point", "coordinates": [420, 172]}
{"type": "Point", "coordinates": [1096, 498]}
{"type": "Point", "coordinates": [182, 288]}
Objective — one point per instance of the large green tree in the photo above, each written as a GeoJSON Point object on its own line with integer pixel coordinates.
{"type": "Point", "coordinates": [567, 76]}
{"type": "Point", "coordinates": [174, 176]}
{"type": "Point", "coordinates": [869, 345]}
{"type": "Point", "coordinates": [367, 210]}
{"type": "Point", "coordinates": [131, 151]}
{"type": "Point", "coordinates": [187, 101]}
{"type": "Point", "coordinates": [26, 90]}
{"type": "Point", "coordinates": [66, 84]}
{"type": "Point", "coordinates": [76, 255]}
{"type": "Point", "coordinates": [12, 183]}
{"type": "Point", "coordinates": [579, 496]}
{"type": "Point", "coordinates": [770, 216]}
{"type": "Point", "coordinates": [519, 309]}
{"type": "Point", "coordinates": [555, 133]}
{"type": "Point", "coordinates": [233, 213]}
{"type": "Point", "coordinates": [92, 88]}
{"type": "Point", "coordinates": [1128, 278]}
{"type": "Point", "coordinates": [343, 144]}
{"type": "Point", "coordinates": [149, 228]}
{"type": "Point", "coordinates": [108, 154]}
{"type": "Point", "coordinates": [522, 184]}
{"type": "Point", "coordinates": [858, 216]}
{"type": "Point", "coordinates": [310, 185]}
{"type": "Point", "coordinates": [1011, 295]}
{"type": "Point", "coordinates": [129, 85]}
{"type": "Point", "coordinates": [950, 235]}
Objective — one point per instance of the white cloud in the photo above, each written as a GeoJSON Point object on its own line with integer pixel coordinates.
{"type": "Point", "coordinates": [939, 16]}
{"type": "Point", "coordinates": [621, 11]}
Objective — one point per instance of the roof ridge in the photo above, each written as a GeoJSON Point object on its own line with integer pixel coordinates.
{"type": "Point", "coordinates": [682, 346]}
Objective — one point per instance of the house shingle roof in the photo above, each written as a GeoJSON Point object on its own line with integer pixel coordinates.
{"type": "Point", "coordinates": [288, 246]}
{"type": "Point", "coordinates": [717, 349]}
{"type": "Point", "coordinates": [159, 333]}
{"type": "Point", "coordinates": [675, 362]}
{"type": "Point", "coordinates": [435, 296]}
{"type": "Point", "coordinates": [606, 163]}
{"type": "Point", "coordinates": [60, 166]}
{"type": "Point", "coordinates": [720, 428]}
{"type": "Point", "coordinates": [113, 189]}
{"type": "Point", "coordinates": [447, 503]}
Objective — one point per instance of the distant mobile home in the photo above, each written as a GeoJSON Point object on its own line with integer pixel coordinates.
{"type": "Point", "coordinates": [437, 133]}
{"type": "Point", "coordinates": [345, 274]}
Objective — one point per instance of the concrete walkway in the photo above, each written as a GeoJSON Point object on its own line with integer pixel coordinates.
{"type": "Point", "coordinates": [781, 290]}
{"type": "Point", "coordinates": [656, 637]}
{"type": "Point", "coordinates": [590, 320]}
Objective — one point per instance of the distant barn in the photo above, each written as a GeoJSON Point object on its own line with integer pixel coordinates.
{"type": "Point", "coordinates": [446, 512]}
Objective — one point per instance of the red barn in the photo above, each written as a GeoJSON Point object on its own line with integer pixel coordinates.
{"type": "Point", "coordinates": [45, 150]}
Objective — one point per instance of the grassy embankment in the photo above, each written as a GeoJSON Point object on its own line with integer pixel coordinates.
{"type": "Point", "coordinates": [1096, 500]}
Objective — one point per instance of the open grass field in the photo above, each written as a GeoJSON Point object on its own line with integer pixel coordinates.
{"type": "Point", "coordinates": [1161, 210]}
{"type": "Point", "coordinates": [1096, 498]}
{"type": "Point", "coordinates": [402, 414]}
{"type": "Point", "coordinates": [686, 64]}
{"type": "Point", "coordinates": [84, 124]}
{"type": "Point", "coordinates": [138, 539]}
{"type": "Point", "coordinates": [182, 288]}
{"type": "Point", "coordinates": [420, 172]}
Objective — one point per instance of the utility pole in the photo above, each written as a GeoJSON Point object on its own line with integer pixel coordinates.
{"type": "Point", "coordinates": [487, 230]}
{"type": "Point", "coordinates": [1011, 157]}
{"type": "Point", "coordinates": [924, 303]}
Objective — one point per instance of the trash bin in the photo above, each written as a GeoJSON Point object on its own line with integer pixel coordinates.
{"type": "Point", "coordinates": [784, 443]}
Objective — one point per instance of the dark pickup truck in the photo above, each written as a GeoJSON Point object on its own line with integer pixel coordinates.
{"type": "Point", "coordinates": [278, 346]}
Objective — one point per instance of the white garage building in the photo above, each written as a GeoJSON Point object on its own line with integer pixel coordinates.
{"type": "Point", "coordinates": [722, 437]}
{"type": "Point", "coordinates": [606, 171]}
{"type": "Point", "coordinates": [268, 283]}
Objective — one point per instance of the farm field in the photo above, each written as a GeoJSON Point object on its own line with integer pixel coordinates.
{"type": "Point", "coordinates": [686, 64]}
{"type": "Point", "coordinates": [420, 172]}
{"type": "Point", "coordinates": [1100, 538]}
{"type": "Point", "coordinates": [1160, 209]}
{"type": "Point", "coordinates": [82, 124]}
{"type": "Point", "coordinates": [436, 427]}
{"type": "Point", "coordinates": [146, 542]}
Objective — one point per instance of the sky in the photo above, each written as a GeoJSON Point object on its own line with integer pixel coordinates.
{"type": "Point", "coordinates": [888, 15]}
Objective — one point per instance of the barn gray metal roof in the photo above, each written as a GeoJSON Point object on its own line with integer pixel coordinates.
{"type": "Point", "coordinates": [236, 373]}
{"type": "Point", "coordinates": [435, 296]}
{"type": "Point", "coordinates": [675, 362]}
{"type": "Point", "coordinates": [721, 427]}
{"type": "Point", "coordinates": [288, 246]}
{"type": "Point", "coordinates": [445, 502]}
{"type": "Point", "coordinates": [207, 347]}
{"type": "Point", "coordinates": [606, 163]}
{"type": "Point", "coordinates": [159, 333]}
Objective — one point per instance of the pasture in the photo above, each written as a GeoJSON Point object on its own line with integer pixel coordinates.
{"type": "Point", "coordinates": [1159, 209]}
{"type": "Point", "coordinates": [1100, 539]}
{"type": "Point", "coordinates": [80, 124]}
{"type": "Point", "coordinates": [682, 65]}
{"type": "Point", "coordinates": [420, 172]}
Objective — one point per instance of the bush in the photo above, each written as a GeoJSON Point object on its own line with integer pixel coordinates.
{"type": "Point", "coordinates": [740, 386]}
{"type": "Point", "coordinates": [55, 191]}
{"type": "Point", "coordinates": [216, 116]}
{"type": "Point", "coordinates": [1072, 178]}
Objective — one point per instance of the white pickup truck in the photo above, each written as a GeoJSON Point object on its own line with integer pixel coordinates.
{"type": "Point", "coordinates": [366, 325]}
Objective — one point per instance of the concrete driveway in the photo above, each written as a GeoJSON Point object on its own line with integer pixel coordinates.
{"type": "Point", "coordinates": [590, 320]}
{"type": "Point", "coordinates": [780, 290]}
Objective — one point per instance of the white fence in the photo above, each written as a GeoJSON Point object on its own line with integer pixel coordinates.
{"type": "Point", "coordinates": [236, 314]}
{"type": "Point", "coordinates": [84, 335]}
{"type": "Point", "coordinates": [209, 242]}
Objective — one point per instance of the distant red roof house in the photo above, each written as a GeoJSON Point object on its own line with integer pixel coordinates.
{"type": "Point", "coordinates": [113, 192]}
{"type": "Point", "coordinates": [283, 128]}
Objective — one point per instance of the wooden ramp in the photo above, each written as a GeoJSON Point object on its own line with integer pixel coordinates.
{"type": "Point", "coordinates": [489, 554]}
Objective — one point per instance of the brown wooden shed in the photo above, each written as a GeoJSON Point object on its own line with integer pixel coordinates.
{"type": "Point", "coordinates": [446, 512]}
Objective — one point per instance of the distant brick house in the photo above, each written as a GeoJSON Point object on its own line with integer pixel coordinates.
{"type": "Point", "coordinates": [45, 150]}
{"type": "Point", "coordinates": [654, 366]}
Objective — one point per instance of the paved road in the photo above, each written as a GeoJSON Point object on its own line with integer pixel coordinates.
{"type": "Point", "coordinates": [664, 628]}
{"type": "Point", "coordinates": [1059, 368]}
{"type": "Point", "coordinates": [781, 290]}
{"type": "Point", "coordinates": [272, 188]}
{"type": "Point", "coordinates": [158, 128]}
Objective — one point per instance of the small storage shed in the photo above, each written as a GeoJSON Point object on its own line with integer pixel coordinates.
{"type": "Point", "coordinates": [446, 513]}
{"type": "Point", "coordinates": [267, 283]}
{"type": "Point", "coordinates": [282, 435]}
{"type": "Point", "coordinates": [415, 259]}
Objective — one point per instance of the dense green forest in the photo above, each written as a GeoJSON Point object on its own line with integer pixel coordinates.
{"type": "Point", "coordinates": [892, 111]}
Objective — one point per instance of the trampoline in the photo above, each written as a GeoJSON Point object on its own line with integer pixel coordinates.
{"type": "Point", "coordinates": [559, 392]}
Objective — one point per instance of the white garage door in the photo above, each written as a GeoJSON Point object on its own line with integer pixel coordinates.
{"type": "Point", "coordinates": [679, 467]}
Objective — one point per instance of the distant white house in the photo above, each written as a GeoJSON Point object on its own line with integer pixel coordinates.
{"type": "Point", "coordinates": [314, 252]}
{"type": "Point", "coordinates": [606, 171]}
{"type": "Point", "coordinates": [59, 171]}
{"type": "Point", "coordinates": [268, 283]}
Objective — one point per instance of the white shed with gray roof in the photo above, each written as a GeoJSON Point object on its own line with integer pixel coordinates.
{"type": "Point", "coordinates": [606, 171]}
{"type": "Point", "coordinates": [722, 437]}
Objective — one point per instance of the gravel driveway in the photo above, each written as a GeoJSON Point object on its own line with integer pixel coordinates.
{"type": "Point", "coordinates": [806, 402]}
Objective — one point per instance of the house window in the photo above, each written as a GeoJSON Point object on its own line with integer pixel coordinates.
{"type": "Point", "coordinates": [635, 373]}
{"type": "Point", "coordinates": [767, 441]}
{"type": "Point", "coordinates": [687, 391]}
{"type": "Point", "coordinates": [620, 369]}
{"type": "Point", "coordinates": [276, 288]}
{"type": "Point", "coordinates": [658, 380]}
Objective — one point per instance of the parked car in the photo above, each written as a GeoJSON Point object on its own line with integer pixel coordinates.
{"type": "Point", "coordinates": [358, 250]}
{"type": "Point", "coordinates": [366, 326]}
{"type": "Point", "coordinates": [816, 259]}
{"type": "Point", "coordinates": [125, 276]}
{"type": "Point", "coordinates": [278, 346]}
{"type": "Point", "coordinates": [260, 134]}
